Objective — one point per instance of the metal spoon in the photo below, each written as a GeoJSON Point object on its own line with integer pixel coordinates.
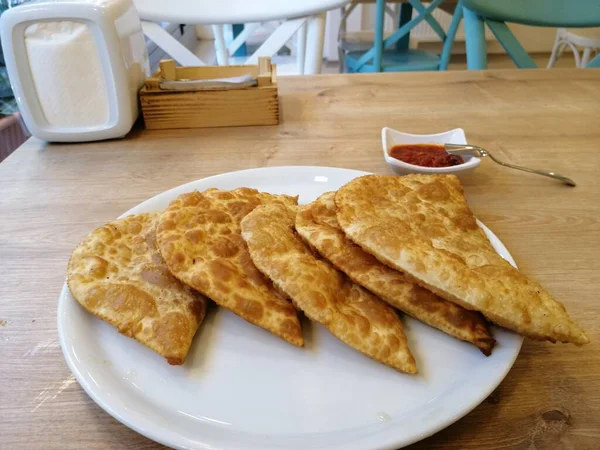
{"type": "Point", "coordinates": [474, 150]}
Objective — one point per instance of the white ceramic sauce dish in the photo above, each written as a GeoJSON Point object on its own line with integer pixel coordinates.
{"type": "Point", "coordinates": [390, 137]}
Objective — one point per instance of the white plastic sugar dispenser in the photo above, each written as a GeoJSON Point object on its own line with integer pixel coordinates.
{"type": "Point", "coordinates": [75, 67]}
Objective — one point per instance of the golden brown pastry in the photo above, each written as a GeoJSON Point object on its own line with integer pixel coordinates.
{"type": "Point", "coordinates": [351, 313]}
{"type": "Point", "coordinates": [421, 225]}
{"type": "Point", "coordinates": [317, 224]}
{"type": "Point", "coordinates": [199, 238]}
{"type": "Point", "coordinates": [117, 274]}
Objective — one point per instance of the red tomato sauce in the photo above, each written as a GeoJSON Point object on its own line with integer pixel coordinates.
{"type": "Point", "coordinates": [425, 155]}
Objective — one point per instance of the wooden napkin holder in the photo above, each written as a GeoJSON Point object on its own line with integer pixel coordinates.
{"type": "Point", "coordinates": [165, 109]}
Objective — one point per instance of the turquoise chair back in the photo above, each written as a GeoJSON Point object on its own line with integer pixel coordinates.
{"type": "Point", "coordinates": [543, 13]}
{"type": "Point", "coordinates": [392, 54]}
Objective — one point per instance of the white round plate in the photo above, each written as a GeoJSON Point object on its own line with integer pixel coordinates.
{"type": "Point", "coordinates": [243, 388]}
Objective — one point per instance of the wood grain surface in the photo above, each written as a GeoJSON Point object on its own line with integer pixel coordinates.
{"type": "Point", "coordinates": [52, 195]}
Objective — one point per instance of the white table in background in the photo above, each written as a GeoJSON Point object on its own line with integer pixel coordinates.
{"type": "Point", "coordinates": [306, 17]}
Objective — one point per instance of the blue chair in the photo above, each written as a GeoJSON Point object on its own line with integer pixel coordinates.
{"type": "Point", "coordinates": [543, 13]}
{"type": "Point", "coordinates": [393, 55]}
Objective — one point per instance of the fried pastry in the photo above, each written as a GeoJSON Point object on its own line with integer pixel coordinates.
{"type": "Point", "coordinates": [317, 224]}
{"type": "Point", "coordinates": [422, 226]}
{"type": "Point", "coordinates": [199, 238]}
{"type": "Point", "coordinates": [117, 274]}
{"type": "Point", "coordinates": [351, 313]}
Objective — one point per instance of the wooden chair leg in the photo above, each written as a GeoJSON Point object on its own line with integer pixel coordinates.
{"type": "Point", "coordinates": [238, 28]}
{"type": "Point", "coordinates": [555, 54]}
{"type": "Point", "coordinates": [406, 11]}
{"type": "Point", "coordinates": [342, 59]}
{"type": "Point", "coordinates": [475, 40]}
{"type": "Point", "coordinates": [220, 46]}
{"type": "Point", "coordinates": [301, 48]}
{"type": "Point", "coordinates": [575, 51]}
{"type": "Point", "coordinates": [378, 41]}
{"type": "Point", "coordinates": [449, 42]}
{"type": "Point", "coordinates": [513, 47]}
{"type": "Point", "coordinates": [315, 38]}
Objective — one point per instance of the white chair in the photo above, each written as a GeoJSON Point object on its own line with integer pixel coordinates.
{"type": "Point", "coordinates": [574, 41]}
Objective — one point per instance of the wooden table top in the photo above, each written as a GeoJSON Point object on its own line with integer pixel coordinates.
{"type": "Point", "coordinates": [51, 196]}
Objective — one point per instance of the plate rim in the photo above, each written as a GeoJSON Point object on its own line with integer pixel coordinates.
{"type": "Point", "coordinates": [158, 434]}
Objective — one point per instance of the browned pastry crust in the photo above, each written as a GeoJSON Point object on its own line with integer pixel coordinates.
{"type": "Point", "coordinates": [327, 296]}
{"type": "Point", "coordinates": [117, 274]}
{"type": "Point", "coordinates": [200, 239]}
{"type": "Point", "coordinates": [317, 224]}
{"type": "Point", "coordinates": [421, 225]}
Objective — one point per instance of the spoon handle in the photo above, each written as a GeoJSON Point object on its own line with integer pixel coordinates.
{"type": "Point", "coordinates": [554, 175]}
{"type": "Point", "coordinates": [474, 150]}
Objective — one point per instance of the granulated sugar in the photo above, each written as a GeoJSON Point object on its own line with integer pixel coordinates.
{"type": "Point", "coordinates": [67, 73]}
